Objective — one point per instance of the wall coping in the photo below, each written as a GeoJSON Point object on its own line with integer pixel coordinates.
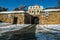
{"type": "Point", "coordinates": [50, 10]}
{"type": "Point", "coordinates": [10, 12]}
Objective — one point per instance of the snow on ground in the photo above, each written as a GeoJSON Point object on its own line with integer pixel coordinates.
{"type": "Point", "coordinates": [4, 27]}
{"type": "Point", "coordinates": [5, 23]}
{"type": "Point", "coordinates": [53, 26]}
{"type": "Point", "coordinates": [48, 27]}
{"type": "Point", "coordinates": [50, 34]}
{"type": "Point", "coordinates": [12, 27]}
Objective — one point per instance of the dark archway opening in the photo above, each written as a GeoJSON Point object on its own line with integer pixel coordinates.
{"type": "Point", "coordinates": [15, 20]}
{"type": "Point", "coordinates": [35, 20]}
{"type": "Point", "coordinates": [0, 21]}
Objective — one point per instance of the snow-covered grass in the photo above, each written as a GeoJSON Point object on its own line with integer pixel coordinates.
{"type": "Point", "coordinates": [12, 27]}
{"type": "Point", "coordinates": [4, 24]}
{"type": "Point", "coordinates": [56, 26]}
{"type": "Point", "coordinates": [50, 28]}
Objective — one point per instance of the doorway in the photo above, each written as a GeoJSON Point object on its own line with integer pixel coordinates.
{"type": "Point", "coordinates": [0, 21]}
{"type": "Point", "coordinates": [15, 20]}
{"type": "Point", "coordinates": [35, 20]}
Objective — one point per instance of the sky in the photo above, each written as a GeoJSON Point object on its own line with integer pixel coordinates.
{"type": "Point", "coordinates": [11, 4]}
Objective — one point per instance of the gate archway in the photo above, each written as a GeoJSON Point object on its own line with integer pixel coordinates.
{"type": "Point", "coordinates": [35, 20]}
{"type": "Point", "coordinates": [0, 21]}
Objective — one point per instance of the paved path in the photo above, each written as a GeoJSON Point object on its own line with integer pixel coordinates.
{"type": "Point", "coordinates": [31, 32]}
{"type": "Point", "coordinates": [46, 34]}
{"type": "Point", "coordinates": [26, 33]}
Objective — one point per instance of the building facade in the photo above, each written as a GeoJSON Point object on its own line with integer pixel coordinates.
{"type": "Point", "coordinates": [35, 15]}
{"type": "Point", "coordinates": [41, 16]}
{"type": "Point", "coordinates": [14, 17]}
{"type": "Point", "coordinates": [35, 10]}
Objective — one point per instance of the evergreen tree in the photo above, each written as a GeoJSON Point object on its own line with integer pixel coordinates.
{"type": "Point", "coordinates": [3, 9]}
{"type": "Point", "coordinates": [21, 8]}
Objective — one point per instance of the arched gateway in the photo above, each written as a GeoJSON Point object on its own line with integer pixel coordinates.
{"type": "Point", "coordinates": [35, 20]}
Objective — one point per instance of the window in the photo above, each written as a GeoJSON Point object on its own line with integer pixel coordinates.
{"type": "Point", "coordinates": [36, 7]}
{"type": "Point", "coordinates": [37, 11]}
{"type": "Point", "coordinates": [32, 11]}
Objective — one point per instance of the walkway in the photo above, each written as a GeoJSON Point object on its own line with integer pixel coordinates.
{"type": "Point", "coordinates": [26, 33]}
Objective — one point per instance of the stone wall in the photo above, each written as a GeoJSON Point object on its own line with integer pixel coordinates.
{"type": "Point", "coordinates": [4, 17]}
{"type": "Point", "coordinates": [25, 18]}
{"type": "Point", "coordinates": [20, 18]}
{"type": "Point", "coordinates": [9, 18]}
{"type": "Point", "coordinates": [53, 18]}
